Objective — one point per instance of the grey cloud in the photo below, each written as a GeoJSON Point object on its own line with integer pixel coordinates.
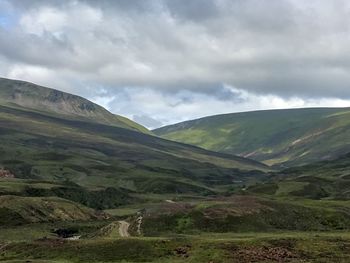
{"type": "Point", "coordinates": [47, 50]}
{"type": "Point", "coordinates": [134, 6]}
{"type": "Point", "coordinates": [25, 5]}
{"type": "Point", "coordinates": [147, 121]}
{"type": "Point", "coordinates": [196, 10]}
{"type": "Point", "coordinates": [286, 48]}
{"type": "Point", "coordinates": [226, 94]}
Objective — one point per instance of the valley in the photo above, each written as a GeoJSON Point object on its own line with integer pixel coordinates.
{"type": "Point", "coordinates": [79, 184]}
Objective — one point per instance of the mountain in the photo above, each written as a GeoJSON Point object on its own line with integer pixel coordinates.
{"type": "Point", "coordinates": [275, 137]}
{"type": "Point", "coordinates": [101, 165]}
{"type": "Point", "coordinates": [28, 96]}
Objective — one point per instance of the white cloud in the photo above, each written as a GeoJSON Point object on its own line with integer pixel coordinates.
{"type": "Point", "coordinates": [72, 17]}
{"type": "Point", "coordinates": [44, 20]}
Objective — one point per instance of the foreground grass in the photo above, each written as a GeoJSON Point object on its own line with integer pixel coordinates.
{"type": "Point", "coordinates": [283, 246]}
{"type": "Point", "coordinates": [253, 229]}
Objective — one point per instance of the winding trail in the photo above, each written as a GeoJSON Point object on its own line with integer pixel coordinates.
{"type": "Point", "coordinates": [123, 229]}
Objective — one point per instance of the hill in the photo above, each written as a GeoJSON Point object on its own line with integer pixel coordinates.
{"type": "Point", "coordinates": [110, 163]}
{"type": "Point", "coordinates": [320, 180]}
{"type": "Point", "coordinates": [275, 137]}
{"type": "Point", "coordinates": [28, 96]}
{"type": "Point", "coordinates": [15, 210]}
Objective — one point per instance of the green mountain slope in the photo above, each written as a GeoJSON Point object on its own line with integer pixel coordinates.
{"type": "Point", "coordinates": [103, 159]}
{"type": "Point", "coordinates": [275, 137]}
{"type": "Point", "coordinates": [320, 180]}
{"type": "Point", "coordinates": [20, 94]}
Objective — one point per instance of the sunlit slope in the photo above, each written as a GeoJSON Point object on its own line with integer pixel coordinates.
{"type": "Point", "coordinates": [289, 137]}
{"type": "Point", "coordinates": [29, 96]}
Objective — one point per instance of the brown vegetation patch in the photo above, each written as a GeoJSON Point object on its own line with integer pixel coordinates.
{"type": "Point", "coordinates": [263, 254]}
{"type": "Point", "coordinates": [182, 251]}
{"type": "Point", "coordinates": [170, 208]}
{"type": "Point", "coordinates": [235, 206]}
{"type": "Point", "coordinates": [6, 173]}
{"type": "Point", "coordinates": [52, 242]}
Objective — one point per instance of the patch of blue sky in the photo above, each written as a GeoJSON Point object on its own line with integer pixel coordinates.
{"type": "Point", "coordinates": [8, 16]}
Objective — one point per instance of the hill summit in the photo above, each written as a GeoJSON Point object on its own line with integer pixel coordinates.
{"type": "Point", "coordinates": [21, 94]}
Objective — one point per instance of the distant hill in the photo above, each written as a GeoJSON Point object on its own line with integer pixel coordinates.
{"type": "Point", "coordinates": [15, 93]}
{"type": "Point", "coordinates": [109, 162]}
{"type": "Point", "coordinates": [320, 180]}
{"type": "Point", "coordinates": [275, 137]}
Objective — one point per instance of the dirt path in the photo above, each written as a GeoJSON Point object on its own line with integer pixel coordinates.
{"type": "Point", "coordinates": [123, 229]}
{"type": "Point", "coordinates": [73, 238]}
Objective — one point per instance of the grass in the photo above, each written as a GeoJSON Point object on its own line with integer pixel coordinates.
{"type": "Point", "coordinates": [246, 214]}
{"type": "Point", "coordinates": [275, 137]}
{"type": "Point", "coordinates": [285, 188]}
{"type": "Point", "coordinates": [186, 236]}
{"type": "Point", "coordinates": [262, 247]}
{"type": "Point", "coordinates": [323, 180]}
{"type": "Point", "coordinates": [16, 210]}
{"type": "Point", "coordinates": [122, 212]}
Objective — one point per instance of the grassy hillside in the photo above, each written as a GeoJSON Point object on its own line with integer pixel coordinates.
{"type": "Point", "coordinates": [320, 180]}
{"type": "Point", "coordinates": [96, 198]}
{"type": "Point", "coordinates": [110, 163]}
{"type": "Point", "coordinates": [245, 214]}
{"type": "Point", "coordinates": [15, 210]}
{"type": "Point", "coordinates": [234, 248]}
{"type": "Point", "coordinates": [32, 97]}
{"type": "Point", "coordinates": [275, 137]}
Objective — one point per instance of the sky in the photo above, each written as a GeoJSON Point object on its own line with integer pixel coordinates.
{"type": "Point", "coordinates": [160, 62]}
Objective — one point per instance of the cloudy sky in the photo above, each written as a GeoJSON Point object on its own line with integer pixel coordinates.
{"type": "Point", "coordinates": [163, 61]}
